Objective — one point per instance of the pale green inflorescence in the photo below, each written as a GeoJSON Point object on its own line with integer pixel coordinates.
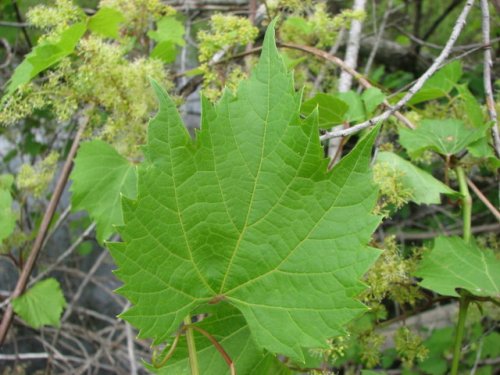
{"type": "Point", "coordinates": [290, 5]}
{"type": "Point", "coordinates": [319, 28]}
{"type": "Point", "coordinates": [102, 76]}
{"type": "Point", "coordinates": [53, 20]}
{"type": "Point", "coordinates": [371, 344]}
{"type": "Point", "coordinates": [35, 179]}
{"type": "Point", "coordinates": [410, 347]}
{"type": "Point", "coordinates": [391, 276]}
{"type": "Point", "coordinates": [225, 33]}
{"type": "Point", "coordinates": [107, 79]}
{"type": "Point", "coordinates": [392, 190]}
{"type": "Point", "coordinates": [138, 13]}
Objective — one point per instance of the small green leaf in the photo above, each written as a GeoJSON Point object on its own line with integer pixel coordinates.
{"type": "Point", "coordinates": [169, 34]}
{"type": "Point", "coordinates": [424, 187]}
{"type": "Point", "coordinates": [491, 349]}
{"type": "Point", "coordinates": [99, 177]}
{"type": "Point", "coordinates": [165, 51]}
{"type": "Point", "coordinates": [446, 137]}
{"type": "Point", "coordinates": [356, 111]}
{"type": "Point", "coordinates": [440, 84]}
{"type": "Point", "coordinates": [46, 55]}
{"type": "Point", "coordinates": [439, 343]}
{"type": "Point", "coordinates": [41, 305]}
{"type": "Point", "coordinates": [331, 110]}
{"type": "Point", "coordinates": [482, 148]}
{"type": "Point", "coordinates": [472, 108]}
{"type": "Point", "coordinates": [452, 263]}
{"type": "Point", "coordinates": [372, 98]}
{"type": "Point", "coordinates": [106, 22]}
{"type": "Point", "coordinates": [168, 29]}
{"type": "Point", "coordinates": [7, 216]}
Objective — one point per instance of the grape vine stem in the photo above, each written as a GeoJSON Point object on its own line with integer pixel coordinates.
{"type": "Point", "coordinates": [22, 282]}
{"type": "Point", "coordinates": [193, 357]}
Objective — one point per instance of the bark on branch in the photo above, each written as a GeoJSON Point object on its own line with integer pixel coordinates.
{"type": "Point", "coordinates": [457, 29]}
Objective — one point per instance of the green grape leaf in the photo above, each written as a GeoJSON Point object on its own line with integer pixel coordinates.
{"type": "Point", "coordinates": [446, 137]}
{"type": "Point", "coordinates": [453, 263]}
{"type": "Point", "coordinates": [331, 110]}
{"type": "Point", "coordinates": [440, 84]}
{"type": "Point", "coordinates": [424, 187]}
{"type": "Point", "coordinates": [249, 216]}
{"type": "Point", "coordinates": [41, 305]}
{"type": "Point", "coordinates": [99, 177]}
{"type": "Point", "coordinates": [228, 327]}
{"type": "Point", "coordinates": [106, 22]}
{"type": "Point", "coordinates": [7, 216]}
{"type": "Point", "coordinates": [45, 55]}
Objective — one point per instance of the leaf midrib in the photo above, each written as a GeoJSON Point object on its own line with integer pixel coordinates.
{"type": "Point", "coordinates": [257, 177]}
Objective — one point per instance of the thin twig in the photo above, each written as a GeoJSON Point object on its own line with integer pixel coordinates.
{"type": "Point", "coordinates": [440, 19]}
{"type": "Point", "coordinates": [483, 199]}
{"type": "Point", "coordinates": [130, 346]}
{"type": "Point", "coordinates": [86, 233]}
{"type": "Point", "coordinates": [457, 29]}
{"type": "Point", "coordinates": [332, 51]}
{"type": "Point", "coordinates": [406, 236]}
{"type": "Point", "coordinates": [342, 65]}
{"type": "Point", "coordinates": [378, 38]}
{"type": "Point", "coordinates": [44, 227]}
{"type": "Point", "coordinates": [13, 24]}
{"type": "Point", "coordinates": [56, 226]}
{"type": "Point", "coordinates": [488, 63]}
{"type": "Point", "coordinates": [20, 20]}
{"type": "Point", "coordinates": [8, 53]}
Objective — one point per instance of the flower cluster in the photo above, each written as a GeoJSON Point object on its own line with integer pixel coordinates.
{"type": "Point", "coordinates": [53, 20]}
{"type": "Point", "coordinates": [391, 277]}
{"type": "Point", "coordinates": [392, 190]}
{"type": "Point", "coordinates": [35, 179]}
{"type": "Point", "coordinates": [410, 347]}
{"type": "Point", "coordinates": [138, 13]}
{"type": "Point", "coordinates": [102, 76]}
{"type": "Point", "coordinates": [226, 32]}
{"type": "Point", "coordinates": [318, 28]}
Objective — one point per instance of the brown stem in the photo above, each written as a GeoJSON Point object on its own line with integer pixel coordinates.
{"type": "Point", "coordinates": [169, 353]}
{"type": "Point", "coordinates": [42, 232]}
{"type": "Point", "coordinates": [218, 346]}
{"type": "Point", "coordinates": [483, 199]}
